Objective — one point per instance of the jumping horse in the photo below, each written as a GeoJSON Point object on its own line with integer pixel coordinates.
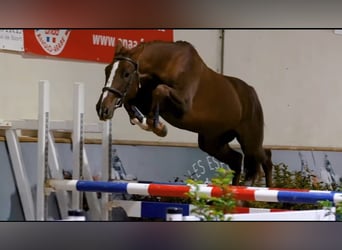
{"type": "Point", "coordinates": [170, 80]}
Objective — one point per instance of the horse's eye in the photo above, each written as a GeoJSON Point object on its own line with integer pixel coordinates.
{"type": "Point", "coordinates": [126, 75]}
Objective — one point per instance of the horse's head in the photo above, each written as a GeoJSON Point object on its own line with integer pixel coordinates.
{"type": "Point", "coordinates": [122, 83]}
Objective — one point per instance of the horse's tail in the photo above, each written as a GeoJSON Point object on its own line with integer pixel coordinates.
{"type": "Point", "coordinates": [255, 114]}
{"type": "Point", "coordinates": [257, 111]}
{"type": "Point", "coordinates": [252, 108]}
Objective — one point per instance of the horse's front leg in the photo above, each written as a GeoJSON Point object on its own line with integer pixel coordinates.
{"type": "Point", "coordinates": [153, 121]}
{"type": "Point", "coordinates": [136, 117]}
{"type": "Point", "coordinates": [165, 98]}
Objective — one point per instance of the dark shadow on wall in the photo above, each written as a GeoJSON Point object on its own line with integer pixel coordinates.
{"type": "Point", "coordinates": [17, 212]}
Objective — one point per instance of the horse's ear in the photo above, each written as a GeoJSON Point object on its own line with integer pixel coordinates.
{"type": "Point", "coordinates": [138, 49]}
{"type": "Point", "coordinates": [119, 46]}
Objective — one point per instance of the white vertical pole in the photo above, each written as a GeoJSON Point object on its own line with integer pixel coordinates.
{"type": "Point", "coordinates": [57, 173]}
{"type": "Point", "coordinates": [106, 166]}
{"type": "Point", "coordinates": [23, 185]}
{"type": "Point", "coordinates": [93, 201]}
{"type": "Point", "coordinates": [77, 139]}
{"type": "Point", "coordinates": [43, 129]}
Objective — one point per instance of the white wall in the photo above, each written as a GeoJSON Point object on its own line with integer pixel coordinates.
{"type": "Point", "coordinates": [19, 76]}
{"type": "Point", "coordinates": [295, 72]}
{"type": "Point", "coordinates": [297, 76]}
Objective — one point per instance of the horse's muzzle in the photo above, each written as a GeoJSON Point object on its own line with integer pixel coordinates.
{"type": "Point", "coordinates": [106, 112]}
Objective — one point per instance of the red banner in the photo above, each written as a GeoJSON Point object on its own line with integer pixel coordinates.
{"type": "Point", "coordinates": [91, 45]}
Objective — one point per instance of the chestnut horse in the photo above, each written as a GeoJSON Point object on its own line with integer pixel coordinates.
{"type": "Point", "coordinates": [169, 79]}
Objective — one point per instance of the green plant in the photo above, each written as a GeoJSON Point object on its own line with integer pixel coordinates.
{"type": "Point", "coordinates": [338, 212]}
{"type": "Point", "coordinates": [328, 205]}
{"type": "Point", "coordinates": [213, 208]}
{"type": "Point", "coordinates": [338, 207]}
{"type": "Point", "coordinates": [285, 178]}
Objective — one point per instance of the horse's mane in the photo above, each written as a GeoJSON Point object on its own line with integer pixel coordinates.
{"type": "Point", "coordinates": [180, 42]}
{"type": "Point", "coordinates": [140, 47]}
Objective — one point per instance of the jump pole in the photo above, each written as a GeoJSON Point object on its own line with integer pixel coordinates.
{"type": "Point", "coordinates": [43, 143]}
{"type": "Point", "coordinates": [240, 193]}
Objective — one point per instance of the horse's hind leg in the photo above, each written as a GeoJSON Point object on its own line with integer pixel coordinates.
{"type": "Point", "coordinates": [267, 166]}
{"type": "Point", "coordinates": [220, 149]}
{"type": "Point", "coordinates": [254, 155]}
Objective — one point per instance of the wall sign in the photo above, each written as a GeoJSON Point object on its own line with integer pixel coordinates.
{"type": "Point", "coordinates": [11, 39]}
{"type": "Point", "coordinates": [87, 44]}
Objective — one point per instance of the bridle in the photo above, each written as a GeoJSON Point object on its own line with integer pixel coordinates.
{"type": "Point", "coordinates": [116, 91]}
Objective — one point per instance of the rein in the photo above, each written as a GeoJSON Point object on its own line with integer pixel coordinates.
{"type": "Point", "coordinates": [116, 91]}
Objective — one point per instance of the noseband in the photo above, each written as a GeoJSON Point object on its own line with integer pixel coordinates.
{"type": "Point", "coordinates": [116, 91]}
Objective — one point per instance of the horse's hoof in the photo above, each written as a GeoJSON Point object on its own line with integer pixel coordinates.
{"type": "Point", "coordinates": [161, 130]}
{"type": "Point", "coordinates": [142, 125]}
{"type": "Point", "coordinates": [133, 121]}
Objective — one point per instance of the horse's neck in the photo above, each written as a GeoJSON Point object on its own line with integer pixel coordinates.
{"type": "Point", "coordinates": [154, 61]}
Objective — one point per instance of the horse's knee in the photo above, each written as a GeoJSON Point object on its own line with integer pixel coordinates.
{"type": "Point", "coordinates": [161, 91]}
{"type": "Point", "coordinates": [169, 99]}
